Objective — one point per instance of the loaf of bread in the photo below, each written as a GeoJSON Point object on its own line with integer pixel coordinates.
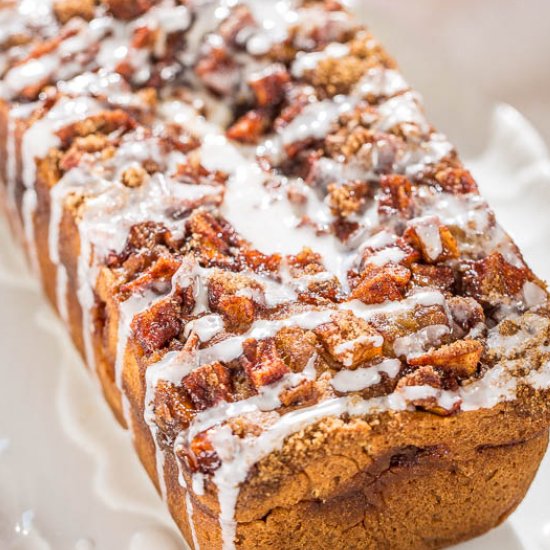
{"type": "Point", "coordinates": [284, 278]}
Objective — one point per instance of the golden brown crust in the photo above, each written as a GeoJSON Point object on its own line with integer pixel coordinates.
{"type": "Point", "coordinates": [375, 509]}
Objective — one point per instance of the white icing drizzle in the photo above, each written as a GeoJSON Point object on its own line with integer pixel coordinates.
{"type": "Point", "coordinates": [533, 295]}
{"type": "Point", "coordinates": [231, 347]}
{"type": "Point", "coordinates": [27, 14]}
{"type": "Point", "coordinates": [402, 109]}
{"type": "Point", "coordinates": [381, 82]}
{"type": "Point", "coordinates": [112, 39]}
{"type": "Point", "coordinates": [356, 380]}
{"type": "Point", "coordinates": [28, 209]}
{"type": "Point", "coordinates": [127, 311]}
{"type": "Point", "coordinates": [86, 297]}
{"type": "Point", "coordinates": [15, 113]}
{"type": "Point", "coordinates": [316, 119]}
{"type": "Point", "coordinates": [427, 229]}
{"type": "Point", "coordinates": [386, 255]}
{"type": "Point", "coordinates": [259, 214]}
{"type": "Point", "coordinates": [539, 379]}
{"type": "Point", "coordinates": [102, 83]}
{"type": "Point", "coordinates": [63, 62]}
{"type": "Point", "coordinates": [191, 521]}
{"type": "Point", "coordinates": [418, 342]}
{"type": "Point", "coordinates": [345, 349]}
{"type": "Point", "coordinates": [36, 142]}
{"type": "Point", "coordinates": [166, 17]}
{"type": "Point", "coordinates": [205, 327]}
{"type": "Point", "coordinates": [62, 280]}
{"type": "Point", "coordinates": [512, 345]}
{"type": "Point", "coordinates": [274, 19]}
{"type": "Point", "coordinates": [25, 18]}
{"type": "Point", "coordinates": [308, 61]}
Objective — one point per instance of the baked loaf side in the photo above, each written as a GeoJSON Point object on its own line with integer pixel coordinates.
{"type": "Point", "coordinates": [283, 276]}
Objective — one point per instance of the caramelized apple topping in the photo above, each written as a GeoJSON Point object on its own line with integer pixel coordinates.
{"type": "Point", "coordinates": [144, 38]}
{"type": "Point", "coordinates": [426, 377]}
{"type": "Point", "coordinates": [250, 127]}
{"type": "Point", "coordinates": [236, 298]}
{"type": "Point", "coordinates": [211, 238]}
{"type": "Point", "coordinates": [433, 239]}
{"type": "Point", "coordinates": [350, 340]}
{"type": "Point", "coordinates": [146, 242]}
{"type": "Point", "coordinates": [200, 455]}
{"type": "Point", "coordinates": [313, 281]}
{"type": "Point", "coordinates": [218, 71]}
{"type": "Point", "coordinates": [162, 322]}
{"type": "Point", "coordinates": [258, 262]}
{"type": "Point", "coordinates": [411, 326]}
{"type": "Point", "coordinates": [397, 195]}
{"type": "Point", "coordinates": [296, 346]}
{"type": "Point", "coordinates": [377, 284]}
{"type": "Point", "coordinates": [173, 411]}
{"type": "Point", "coordinates": [208, 385]}
{"type": "Point", "coordinates": [94, 143]}
{"type": "Point", "coordinates": [396, 252]}
{"type": "Point", "coordinates": [105, 123]}
{"type": "Point", "coordinates": [492, 278]}
{"type": "Point", "coordinates": [305, 394]}
{"type": "Point", "coordinates": [348, 198]}
{"type": "Point", "coordinates": [192, 172]}
{"type": "Point", "coordinates": [422, 376]}
{"type": "Point", "coordinates": [160, 271]}
{"type": "Point", "coordinates": [456, 180]}
{"type": "Point", "coordinates": [435, 276]}
{"type": "Point", "coordinates": [460, 358]}
{"type": "Point", "coordinates": [262, 362]}
{"type": "Point", "coordinates": [233, 26]}
{"type": "Point", "coordinates": [269, 85]}
{"type": "Point", "coordinates": [466, 312]}
{"type": "Point", "coordinates": [122, 9]}
{"type": "Point", "coordinates": [173, 136]}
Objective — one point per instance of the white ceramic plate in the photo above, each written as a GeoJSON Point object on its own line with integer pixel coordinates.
{"type": "Point", "coordinates": [68, 477]}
